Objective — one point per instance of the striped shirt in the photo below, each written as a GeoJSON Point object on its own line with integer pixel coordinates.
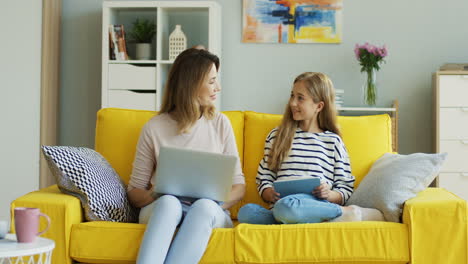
{"type": "Point", "coordinates": [313, 155]}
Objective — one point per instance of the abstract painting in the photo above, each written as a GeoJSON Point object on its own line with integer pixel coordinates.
{"type": "Point", "coordinates": [292, 21]}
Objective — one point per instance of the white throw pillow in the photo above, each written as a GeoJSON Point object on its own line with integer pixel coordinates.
{"type": "Point", "coordinates": [395, 178]}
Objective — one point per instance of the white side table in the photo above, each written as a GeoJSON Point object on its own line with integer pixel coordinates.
{"type": "Point", "coordinates": [12, 252]}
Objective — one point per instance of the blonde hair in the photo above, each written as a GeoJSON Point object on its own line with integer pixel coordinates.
{"type": "Point", "coordinates": [186, 77]}
{"type": "Point", "coordinates": [321, 89]}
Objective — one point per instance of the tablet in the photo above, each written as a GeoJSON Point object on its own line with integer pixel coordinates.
{"type": "Point", "coordinates": [285, 188]}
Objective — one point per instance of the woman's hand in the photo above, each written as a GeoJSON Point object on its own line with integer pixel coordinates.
{"type": "Point", "coordinates": [270, 195]}
{"type": "Point", "coordinates": [140, 197]}
{"type": "Point", "coordinates": [237, 193]}
{"type": "Point", "coordinates": [322, 191]}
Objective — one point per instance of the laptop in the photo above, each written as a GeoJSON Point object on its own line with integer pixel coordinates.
{"type": "Point", "coordinates": [192, 173]}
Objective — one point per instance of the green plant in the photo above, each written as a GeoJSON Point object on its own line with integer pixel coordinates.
{"type": "Point", "coordinates": [143, 31]}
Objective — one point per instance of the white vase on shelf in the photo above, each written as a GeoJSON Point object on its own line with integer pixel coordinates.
{"type": "Point", "coordinates": [177, 42]}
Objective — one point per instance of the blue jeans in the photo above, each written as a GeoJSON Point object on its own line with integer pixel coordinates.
{"type": "Point", "coordinates": [292, 209]}
{"type": "Point", "coordinates": [164, 215]}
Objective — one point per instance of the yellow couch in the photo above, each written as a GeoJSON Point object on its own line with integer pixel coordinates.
{"type": "Point", "coordinates": [434, 228]}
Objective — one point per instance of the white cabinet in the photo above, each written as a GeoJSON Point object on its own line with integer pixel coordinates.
{"type": "Point", "coordinates": [139, 84]}
{"type": "Point", "coordinates": [451, 129]}
{"type": "Point", "coordinates": [132, 99]}
{"type": "Point", "coordinates": [143, 77]}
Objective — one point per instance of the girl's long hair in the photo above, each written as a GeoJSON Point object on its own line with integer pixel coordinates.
{"type": "Point", "coordinates": [186, 77]}
{"type": "Point", "coordinates": [320, 88]}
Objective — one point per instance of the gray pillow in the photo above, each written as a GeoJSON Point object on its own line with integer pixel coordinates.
{"type": "Point", "coordinates": [395, 178]}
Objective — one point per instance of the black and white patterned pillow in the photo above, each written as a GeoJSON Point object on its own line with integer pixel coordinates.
{"type": "Point", "coordinates": [84, 173]}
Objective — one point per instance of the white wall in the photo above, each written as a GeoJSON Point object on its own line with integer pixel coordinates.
{"type": "Point", "coordinates": [421, 35]}
{"type": "Point", "coordinates": [20, 69]}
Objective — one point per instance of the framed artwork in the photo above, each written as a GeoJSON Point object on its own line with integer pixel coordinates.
{"type": "Point", "coordinates": [292, 21]}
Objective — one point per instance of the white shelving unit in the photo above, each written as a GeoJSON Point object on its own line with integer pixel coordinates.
{"type": "Point", "coordinates": [392, 111]}
{"type": "Point", "coordinates": [139, 84]}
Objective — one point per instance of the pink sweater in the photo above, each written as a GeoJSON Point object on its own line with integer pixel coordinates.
{"type": "Point", "coordinates": [214, 135]}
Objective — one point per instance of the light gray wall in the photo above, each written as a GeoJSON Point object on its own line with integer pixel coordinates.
{"type": "Point", "coordinates": [80, 76]}
{"type": "Point", "coordinates": [20, 69]}
{"type": "Point", "coordinates": [420, 35]}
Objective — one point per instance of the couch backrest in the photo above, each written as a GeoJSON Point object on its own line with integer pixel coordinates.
{"type": "Point", "coordinates": [117, 133]}
{"type": "Point", "coordinates": [366, 138]}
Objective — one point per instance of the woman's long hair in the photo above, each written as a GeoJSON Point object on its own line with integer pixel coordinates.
{"type": "Point", "coordinates": [321, 89]}
{"type": "Point", "coordinates": [186, 77]}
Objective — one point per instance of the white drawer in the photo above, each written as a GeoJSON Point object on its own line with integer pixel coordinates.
{"type": "Point", "coordinates": [132, 77]}
{"type": "Point", "coordinates": [453, 90]}
{"type": "Point", "coordinates": [132, 100]}
{"type": "Point", "coordinates": [457, 159]}
{"type": "Point", "coordinates": [453, 123]}
{"type": "Point", "coordinates": [456, 183]}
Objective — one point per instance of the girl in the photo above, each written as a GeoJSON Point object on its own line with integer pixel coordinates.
{"type": "Point", "coordinates": [307, 144]}
{"type": "Point", "coordinates": [187, 119]}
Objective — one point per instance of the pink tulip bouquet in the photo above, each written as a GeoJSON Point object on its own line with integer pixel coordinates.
{"type": "Point", "coordinates": [370, 57]}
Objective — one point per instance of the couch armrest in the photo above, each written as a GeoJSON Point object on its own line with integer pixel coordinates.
{"type": "Point", "coordinates": [64, 211]}
{"type": "Point", "coordinates": [437, 223]}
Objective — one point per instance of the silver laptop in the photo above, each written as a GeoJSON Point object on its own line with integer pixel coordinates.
{"type": "Point", "coordinates": [196, 174]}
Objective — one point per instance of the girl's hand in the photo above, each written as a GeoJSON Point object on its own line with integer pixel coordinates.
{"type": "Point", "coordinates": [270, 195]}
{"type": "Point", "coordinates": [322, 191]}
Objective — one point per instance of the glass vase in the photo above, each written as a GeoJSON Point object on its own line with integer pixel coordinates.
{"type": "Point", "coordinates": [369, 87]}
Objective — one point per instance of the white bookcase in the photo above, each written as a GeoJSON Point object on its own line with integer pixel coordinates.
{"type": "Point", "coordinates": [139, 84]}
{"type": "Point", "coordinates": [451, 129]}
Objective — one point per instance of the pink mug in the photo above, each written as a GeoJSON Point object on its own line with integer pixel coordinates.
{"type": "Point", "coordinates": [27, 224]}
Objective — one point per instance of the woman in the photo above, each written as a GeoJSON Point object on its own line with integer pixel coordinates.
{"type": "Point", "coordinates": [187, 119]}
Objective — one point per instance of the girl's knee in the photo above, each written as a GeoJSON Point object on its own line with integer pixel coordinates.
{"type": "Point", "coordinates": [288, 203]}
{"type": "Point", "coordinates": [249, 207]}
{"type": "Point", "coordinates": [285, 211]}
{"type": "Point", "coordinates": [247, 212]}
{"type": "Point", "coordinates": [296, 209]}
{"type": "Point", "coordinates": [255, 214]}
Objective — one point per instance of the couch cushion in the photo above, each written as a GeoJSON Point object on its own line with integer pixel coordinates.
{"type": "Point", "coordinates": [237, 122]}
{"type": "Point", "coordinates": [257, 127]}
{"type": "Point", "coordinates": [366, 138]}
{"type": "Point", "coordinates": [118, 130]}
{"type": "Point", "coordinates": [356, 242]}
{"type": "Point", "coordinates": [117, 133]}
{"type": "Point", "coordinates": [109, 242]}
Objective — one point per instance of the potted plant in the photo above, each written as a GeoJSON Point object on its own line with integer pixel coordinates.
{"type": "Point", "coordinates": [142, 33]}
